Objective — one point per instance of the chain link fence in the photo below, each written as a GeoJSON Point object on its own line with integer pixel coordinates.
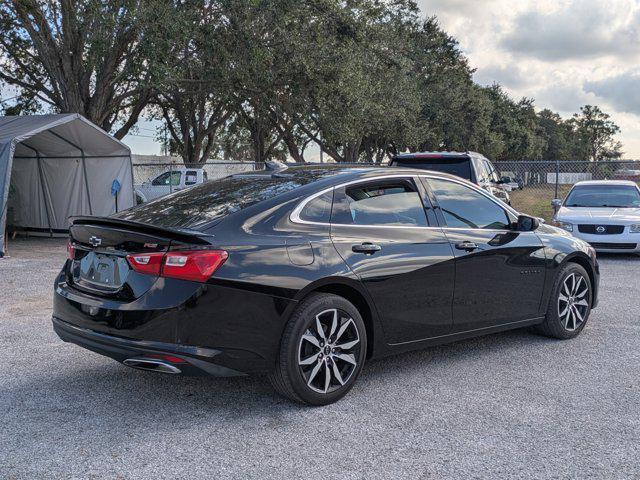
{"type": "Point", "coordinates": [147, 172]}
{"type": "Point", "coordinates": [534, 184]}
{"type": "Point", "coordinates": [153, 180]}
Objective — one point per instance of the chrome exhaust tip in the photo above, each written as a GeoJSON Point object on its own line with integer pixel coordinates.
{"type": "Point", "coordinates": [152, 365]}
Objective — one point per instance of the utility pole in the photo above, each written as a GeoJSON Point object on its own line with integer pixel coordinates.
{"type": "Point", "coordinates": [166, 140]}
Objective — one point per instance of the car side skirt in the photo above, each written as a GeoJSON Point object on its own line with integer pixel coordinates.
{"type": "Point", "coordinates": [449, 338]}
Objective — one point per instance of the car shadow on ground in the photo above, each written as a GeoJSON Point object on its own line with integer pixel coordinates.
{"type": "Point", "coordinates": [116, 394]}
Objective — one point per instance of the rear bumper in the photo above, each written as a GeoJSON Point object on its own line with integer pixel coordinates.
{"type": "Point", "coordinates": [189, 360]}
{"type": "Point", "coordinates": [220, 330]}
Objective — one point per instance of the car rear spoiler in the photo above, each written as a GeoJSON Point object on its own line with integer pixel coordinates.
{"type": "Point", "coordinates": [182, 235]}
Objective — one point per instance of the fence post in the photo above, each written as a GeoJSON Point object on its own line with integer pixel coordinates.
{"type": "Point", "coordinates": [171, 177]}
{"type": "Point", "coordinates": [557, 178]}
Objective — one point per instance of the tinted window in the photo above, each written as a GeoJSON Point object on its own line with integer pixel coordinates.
{"type": "Point", "coordinates": [460, 167]}
{"type": "Point", "coordinates": [167, 178]}
{"type": "Point", "coordinates": [621, 196]}
{"type": "Point", "coordinates": [210, 201]}
{"type": "Point", "coordinates": [387, 203]}
{"type": "Point", "coordinates": [191, 177]}
{"type": "Point", "coordinates": [463, 207]}
{"type": "Point", "coordinates": [318, 209]}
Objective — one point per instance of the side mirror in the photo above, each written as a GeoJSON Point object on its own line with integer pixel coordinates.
{"type": "Point", "coordinates": [556, 203]}
{"type": "Point", "coordinates": [527, 224]}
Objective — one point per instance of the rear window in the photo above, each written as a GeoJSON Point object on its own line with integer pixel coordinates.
{"type": "Point", "coordinates": [459, 167]}
{"type": "Point", "coordinates": [210, 201]}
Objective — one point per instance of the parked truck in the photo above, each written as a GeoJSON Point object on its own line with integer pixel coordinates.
{"type": "Point", "coordinates": [168, 182]}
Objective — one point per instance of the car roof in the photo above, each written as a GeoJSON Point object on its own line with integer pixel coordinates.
{"type": "Point", "coordinates": [606, 182]}
{"type": "Point", "coordinates": [329, 173]}
{"type": "Point", "coordinates": [443, 155]}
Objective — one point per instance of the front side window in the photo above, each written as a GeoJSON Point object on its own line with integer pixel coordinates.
{"type": "Point", "coordinates": [167, 178]}
{"type": "Point", "coordinates": [492, 175]}
{"type": "Point", "coordinates": [395, 202]}
{"type": "Point", "coordinates": [463, 207]}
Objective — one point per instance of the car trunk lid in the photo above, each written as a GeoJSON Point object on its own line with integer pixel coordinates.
{"type": "Point", "coordinates": [100, 246]}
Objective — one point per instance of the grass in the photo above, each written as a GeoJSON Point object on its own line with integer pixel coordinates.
{"type": "Point", "coordinates": [536, 200]}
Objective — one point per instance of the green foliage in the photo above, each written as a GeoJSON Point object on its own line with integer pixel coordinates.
{"type": "Point", "coordinates": [260, 79]}
{"type": "Point", "coordinates": [86, 56]}
{"type": "Point", "coordinates": [596, 131]}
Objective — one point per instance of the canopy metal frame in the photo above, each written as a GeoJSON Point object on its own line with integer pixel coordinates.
{"type": "Point", "coordinates": [44, 191]}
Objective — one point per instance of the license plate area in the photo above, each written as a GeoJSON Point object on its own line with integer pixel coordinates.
{"type": "Point", "coordinates": [99, 271]}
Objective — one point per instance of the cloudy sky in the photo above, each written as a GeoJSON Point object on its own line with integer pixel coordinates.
{"type": "Point", "coordinates": [563, 53]}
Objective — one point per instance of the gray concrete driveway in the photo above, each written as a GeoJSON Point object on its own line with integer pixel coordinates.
{"type": "Point", "coordinates": [510, 405]}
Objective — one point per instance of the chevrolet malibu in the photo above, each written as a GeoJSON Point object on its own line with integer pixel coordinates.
{"type": "Point", "coordinates": [605, 213]}
{"type": "Point", "coordinates": [307, 273]}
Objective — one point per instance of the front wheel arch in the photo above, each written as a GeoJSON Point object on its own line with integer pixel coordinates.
{"type": "Point", "coordinates": [585, 263]}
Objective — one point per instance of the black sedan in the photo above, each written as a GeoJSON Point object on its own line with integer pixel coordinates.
{"type": "Point", "coordinates": [306, 273]}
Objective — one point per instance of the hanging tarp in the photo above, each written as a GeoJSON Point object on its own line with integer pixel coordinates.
{"type": "Point", "coordinates": [56, 166]}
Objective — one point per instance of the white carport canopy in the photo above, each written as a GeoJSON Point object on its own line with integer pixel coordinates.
{"type": "Point", "coordinates": [56, 166]}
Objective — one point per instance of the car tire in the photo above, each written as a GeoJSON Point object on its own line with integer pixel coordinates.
{"type": "Point", "coordinates": [321, 341]}
{"type": "Point", "coordinates": [569, 305]}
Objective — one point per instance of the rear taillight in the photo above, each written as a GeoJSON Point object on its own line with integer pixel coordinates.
{"type": "Point", "coordinates": [147, 263]}
{"type": "Point", "coordinates": [195, 265]}
{"type": "Point", "coordinates": [71, 250]}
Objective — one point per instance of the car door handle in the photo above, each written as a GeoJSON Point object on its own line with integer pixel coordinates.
{"type": "Point", "coordinates": [467, 246]}
{"type": "Point", "coordinates": [366, 247]}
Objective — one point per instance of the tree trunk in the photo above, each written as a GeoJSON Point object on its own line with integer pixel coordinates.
{"type": "Point", "coordinates": [352, 151]}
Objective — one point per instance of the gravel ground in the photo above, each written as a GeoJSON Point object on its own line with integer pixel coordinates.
{"type": "Point", "coordinates": [511, 405]}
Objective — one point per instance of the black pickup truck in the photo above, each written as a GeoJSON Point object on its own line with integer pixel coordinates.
{"type": "Point", "coordinates": [471, 166]}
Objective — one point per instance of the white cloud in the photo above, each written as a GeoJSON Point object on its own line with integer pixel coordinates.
{"type": "Point", "coordinates": [511, 76]}
{"type": "Point", "coordinates": [565, 99]}
{"type": "Point", "coordinates": [580, 29]}
{"type": "Point", "coordinates": [562, 53]}
{"type": "Point", "coordinates": [622, 91]}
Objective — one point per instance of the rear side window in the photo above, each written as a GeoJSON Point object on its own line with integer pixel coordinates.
{"type": "Point", "coordinates": [318, 209]}
{"type": "Point", "coordinates": [387, 203]}
{"type": "Point", "coordinates": [191, 177]}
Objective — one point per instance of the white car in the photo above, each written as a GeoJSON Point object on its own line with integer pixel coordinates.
{"type": "Point", "coordinates": [604, 213]}
{"type": "Point", "coordinates": [169, 182]}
